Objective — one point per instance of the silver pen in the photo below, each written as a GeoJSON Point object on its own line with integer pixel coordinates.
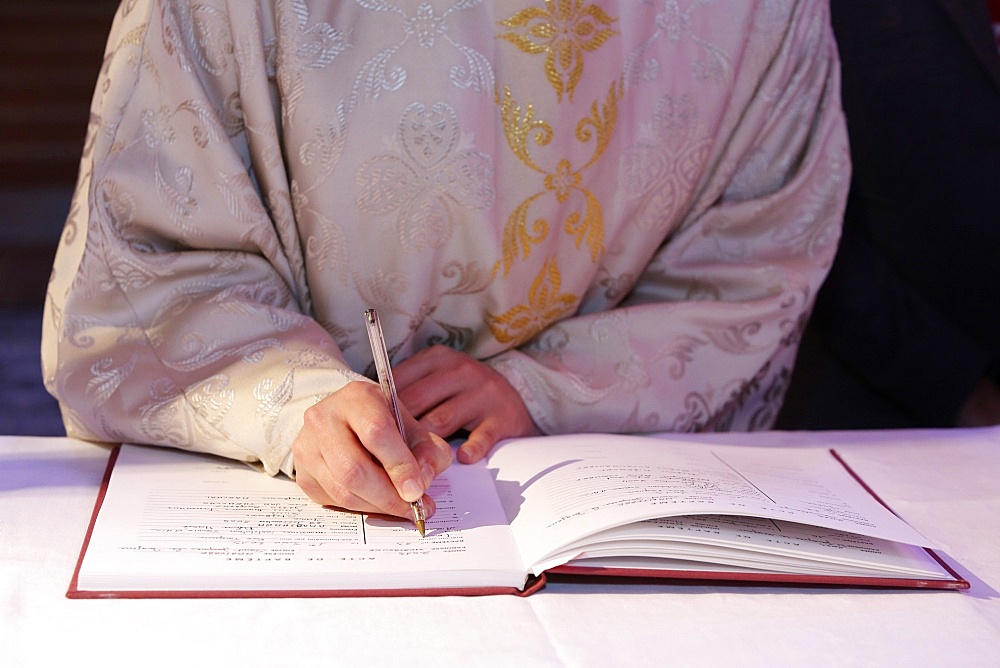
{"type": "Point", "coordinates": [384, 370]}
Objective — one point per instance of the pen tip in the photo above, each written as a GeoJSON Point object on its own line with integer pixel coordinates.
{"type": "Point", "coordinates": [418, 515]}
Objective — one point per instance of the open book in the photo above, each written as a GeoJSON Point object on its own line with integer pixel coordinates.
{"type": "Point", "coordinates": [170, 523]}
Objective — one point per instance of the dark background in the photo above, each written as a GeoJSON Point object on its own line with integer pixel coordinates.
{"type": "Point", "coordinates": [50, 55]}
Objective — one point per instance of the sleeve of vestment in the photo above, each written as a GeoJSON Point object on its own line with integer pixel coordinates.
{"type": "Point", "coordinates": [176, 313]}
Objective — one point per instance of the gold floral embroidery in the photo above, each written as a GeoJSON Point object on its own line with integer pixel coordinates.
{"type": "Point", "coordinates": [587, 226]}
{"type": "Point", "coordinates": [520, 125]}
{"type": "Point", "coordinates": [545, 306]}
{"type": "Point", "coordinates": [562, 181]}
{"type": "Point", "coordinates": [563, 30]}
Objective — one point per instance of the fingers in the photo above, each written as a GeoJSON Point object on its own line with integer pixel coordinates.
{"type": "Point", "coordinates": [445, 388]}
{"type": "Point", "coordinates": [349, 453]}
{"type": "Point", "coordinates": [346, 499]}
{"type": "Point", "coordinates": [479, 443]}
{"type": "Point", "coordinates": [333, 465]}
{"type": "Point", "coordinates": [451, 391]}
{"type": "Point", "coordinates": [428, 377]}
{"type": "Point", "coordinates": [432, 453]}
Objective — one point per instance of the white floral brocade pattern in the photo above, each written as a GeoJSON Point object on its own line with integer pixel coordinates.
{"type": "Point", "coordinates": [426, 178]}
{"type": "Point", "coordinates": [626, 208]}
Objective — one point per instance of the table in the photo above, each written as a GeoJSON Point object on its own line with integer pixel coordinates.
{"type": "Point", "coordinates": [946, 483]}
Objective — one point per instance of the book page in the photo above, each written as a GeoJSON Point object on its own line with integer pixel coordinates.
{"type": "Point", "coordinates": [177, 520]}
{"type": "Point", "coordinates": [761, 544]}
{"type": "Point", "coordinates": [557, 489]}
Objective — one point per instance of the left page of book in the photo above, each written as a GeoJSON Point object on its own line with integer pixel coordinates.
{"type": "Point", "coordinates": [178, 521]}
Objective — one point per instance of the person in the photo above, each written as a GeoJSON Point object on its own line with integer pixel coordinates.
{"type": "Point", "coordinates": [570, 216]}
{"type": "Point", "coordinates": [906, 329]}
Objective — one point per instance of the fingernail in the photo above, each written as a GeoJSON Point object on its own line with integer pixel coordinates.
{"type": "Point", "coordinates": [411, 490]}
{"type": "Point", "coordinates": [428, 473]}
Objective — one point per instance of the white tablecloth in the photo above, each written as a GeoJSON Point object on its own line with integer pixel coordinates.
{"type": "Point", "coordinates": [945, 483]}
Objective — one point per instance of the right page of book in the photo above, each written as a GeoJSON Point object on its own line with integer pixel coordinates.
{"type": "Point", "coordinates": [558, 490]}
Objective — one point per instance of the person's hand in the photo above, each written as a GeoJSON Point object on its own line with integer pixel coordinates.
{"type": "Point", "coordinates": [350, 454]}
{"type": "Point", "coordinates": [450, 391]}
